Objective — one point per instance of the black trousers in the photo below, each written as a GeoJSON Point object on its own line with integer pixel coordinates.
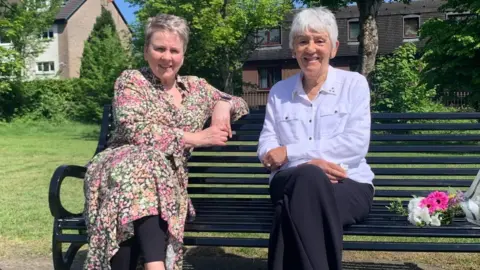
{"type": "Point", "coordinates": [150, 240]}
{"type": "Point", "coordinates": [310, 213]}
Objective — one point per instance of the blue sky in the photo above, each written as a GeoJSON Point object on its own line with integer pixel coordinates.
{"type": "Point", "coordinates": [126, 10]}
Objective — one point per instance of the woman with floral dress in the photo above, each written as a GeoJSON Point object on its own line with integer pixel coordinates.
{"type": "Point", "coordinates": [136, 189]}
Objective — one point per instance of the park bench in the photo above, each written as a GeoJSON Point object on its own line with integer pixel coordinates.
{"type": "Point", "coordinates": [229, 187]}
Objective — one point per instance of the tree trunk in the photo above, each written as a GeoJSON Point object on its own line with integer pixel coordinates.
{"type": "Point", "coordinates": [368, 47]}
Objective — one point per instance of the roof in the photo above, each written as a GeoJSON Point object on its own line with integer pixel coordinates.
{"type": "Point", "coordinates": [386, 9]}
{"type": "Point", "coordinates": [71, 6]}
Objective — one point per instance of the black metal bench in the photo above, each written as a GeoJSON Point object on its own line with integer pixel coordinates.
{"type": "Point", "coordinates": [229, 187]}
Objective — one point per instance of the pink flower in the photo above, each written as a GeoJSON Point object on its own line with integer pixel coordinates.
{"type": "Point", "coordinates": [429, 203]}
{"type": "Point", "coordinates": [441, 199]}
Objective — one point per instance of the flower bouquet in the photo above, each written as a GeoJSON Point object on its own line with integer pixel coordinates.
{"type": "Point", "coordinates": [438, 208]}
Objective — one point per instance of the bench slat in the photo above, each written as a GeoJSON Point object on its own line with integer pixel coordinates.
{"type": "Point", "coordinates": [386, 127]}
{"type": "Point", "coordinates": [348, 245]}
{"type": "Point", "coordinates": [377, 171]}
{"type": "Point", "coordinates": [377, 182]}
{"type": "Point", "coordinates": [405, 116]}
{"type": "Point", "coordinates": [370, 160]}
{"type": "Point", "coordinates": [264, 191]}
{"type": "Point", "coordinates": [385, 137]}
{"type": "Point", "coordinates": [373, 148]}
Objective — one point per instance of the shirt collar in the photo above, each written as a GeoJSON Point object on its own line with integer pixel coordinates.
{"type": "Point", "coordinates": [329, 86]}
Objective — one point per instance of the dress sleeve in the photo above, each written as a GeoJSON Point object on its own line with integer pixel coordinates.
{"type": "Point", "coordinates": [239, 105]}
{"type": "Point", "coordinates": [133, 116]}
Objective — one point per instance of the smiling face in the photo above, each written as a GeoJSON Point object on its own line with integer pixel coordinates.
{"type": "Point", "coordinates": [164, 54]}
{"type": "Point", "coordinates": [313, 51]}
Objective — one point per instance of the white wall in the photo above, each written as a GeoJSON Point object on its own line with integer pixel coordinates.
{"type": "Point", "coordinates": [49, 54]}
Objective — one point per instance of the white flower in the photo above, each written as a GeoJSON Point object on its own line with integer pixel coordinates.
{"type": "Point", "coordinates": [436, 220]}
{"type": "Point", "coordinates": [414, 203]}
{"type": "Point", "coordinates": [419, 215]}
{"type": "Point", "coordinates": [425, 216]}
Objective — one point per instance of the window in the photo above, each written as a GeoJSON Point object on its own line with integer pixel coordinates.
{"type": "Point", "coordinates": [353, 30]}
{"type": "Point", "coordinates": [46, 66]}
{"type": "Point", "coordinates": [4, 39]}
{"type": "Point", "coordinates": [458, 16]}
{"type": "Point", "coordinates": [269, 37]}
{"type": "Point", "coordinates": [47, 34]}
{"type": "Point", "coordinates": [268, 76]}
{"type": "Point", "coordinates": [411, 24]}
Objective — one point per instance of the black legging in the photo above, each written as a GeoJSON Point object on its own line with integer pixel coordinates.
{"type": "Point", "coordinates": [150, 239]}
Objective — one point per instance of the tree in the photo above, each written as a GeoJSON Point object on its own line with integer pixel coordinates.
{"type": "Point", "coordinates": [104, 58]}
{"type": "Point", "coordinates": [368, 38]}
{"type": "Point", "coordinates": [22, 23]}
{"type": "Point", "coordinates": [397, 83]}
{"type": "Point", "coordinates": [452, 51]}
{"type": "Point", "coordinates": [222, 33]}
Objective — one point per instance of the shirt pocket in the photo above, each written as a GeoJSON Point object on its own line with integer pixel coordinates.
{"type": "Point", "coordinates": [333, 120]}
{"type": "Point", "coordinates": [289, 126]}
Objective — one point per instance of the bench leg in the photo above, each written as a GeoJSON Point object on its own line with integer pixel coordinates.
{"type": "Point", "coordinates": [63, 261]}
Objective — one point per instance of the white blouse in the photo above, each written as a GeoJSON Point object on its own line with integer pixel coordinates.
{"type": "Point", "coordinates": [334, 126]}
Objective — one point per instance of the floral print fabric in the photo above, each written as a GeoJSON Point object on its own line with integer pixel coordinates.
{"type": "Point", "coordinates": [143, 171]}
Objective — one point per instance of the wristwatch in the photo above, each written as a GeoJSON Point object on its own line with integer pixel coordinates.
{"type": "Point", "coordinates": [227, 99]}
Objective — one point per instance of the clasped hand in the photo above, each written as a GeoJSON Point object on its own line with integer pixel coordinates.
{"type": "Point", "coordinates": [333, 171]}
{"type": "Point", "coordinates": [275, 158]}
{"type": "Point", "coordinates": [220, 129]}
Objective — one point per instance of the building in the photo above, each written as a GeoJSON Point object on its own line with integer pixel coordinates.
{"type": "Point", "coordinates": [397, 23]}
{"type": "Point", "coordinates": [73, 24]}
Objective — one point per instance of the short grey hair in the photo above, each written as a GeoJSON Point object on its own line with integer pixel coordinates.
{"type": "Point", "coordinates": [167, 22]}
{"type": "Point", "coordinates": [316, 19]}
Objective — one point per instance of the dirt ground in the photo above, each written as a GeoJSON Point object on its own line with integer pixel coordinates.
{"type": "Point", "coordinates": [203, 263]}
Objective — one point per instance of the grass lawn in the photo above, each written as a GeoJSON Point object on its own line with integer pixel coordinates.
{"type": "Point", "coordinates": [30, 152]}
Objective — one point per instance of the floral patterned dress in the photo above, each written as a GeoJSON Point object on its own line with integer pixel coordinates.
{"type": "Point", "coordinates": [143, 171]}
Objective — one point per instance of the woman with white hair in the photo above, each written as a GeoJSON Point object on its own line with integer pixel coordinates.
{"type": "Point", "coordinates": [314, 141]}
{"type": "Point", "coordinates": [136, 189]}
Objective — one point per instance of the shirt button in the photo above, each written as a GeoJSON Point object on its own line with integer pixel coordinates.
{"type": "Point", "coordinates": [310, 138]}
{"type": "Point", "coordinates": [310, 120]}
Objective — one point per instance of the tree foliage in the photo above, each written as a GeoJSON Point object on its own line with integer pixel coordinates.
{"type": "Point", "coordinates": [24, 21]}
{"type": "Point", "coordinates": [222, 33]}
{"type": "Point", "coordinates": [21, 23]}
{"type": "Point", "coordinates": [104, 58]}
{"type": "Point", "coordinates": [397, 83]}
{"type": "Point", "coordinates": [452, 51]}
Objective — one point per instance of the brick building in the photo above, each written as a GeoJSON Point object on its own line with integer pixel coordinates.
{"type": "Point", "coordinates": [73, 24]}
{"type": "Point", "coordinates": [397, 23]}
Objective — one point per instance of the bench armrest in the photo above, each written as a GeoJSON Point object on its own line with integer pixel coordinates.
{"type": "Point", "coordinates": [56, 208]}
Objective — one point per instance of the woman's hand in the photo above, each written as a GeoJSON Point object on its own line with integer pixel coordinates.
{"type": "Point", "coordinates": [212, 136]}
{"type": "Point", "coordinates": [334, 172]}
{"type": "Point", "coordinates": [221, 116]}
{"type": "Point", "coordinates": [275, 158]}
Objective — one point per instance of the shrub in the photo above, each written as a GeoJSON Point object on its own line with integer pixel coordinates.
{"type": "Point", "coordinates": [397, 86]}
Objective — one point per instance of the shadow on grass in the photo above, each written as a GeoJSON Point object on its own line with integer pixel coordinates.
{"type": "Point", "coordinates": [215, 258]}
